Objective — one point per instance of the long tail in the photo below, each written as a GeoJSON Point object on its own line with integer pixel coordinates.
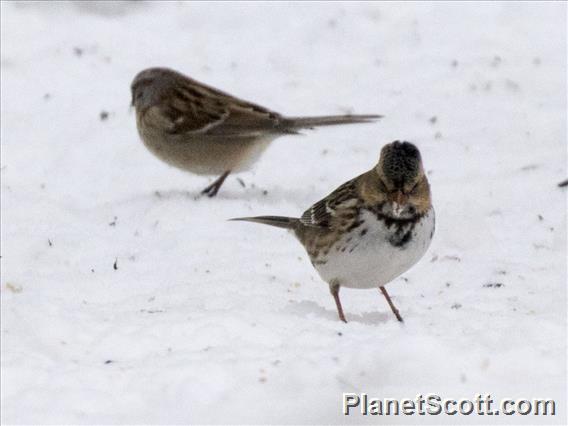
{"type": "Point", "coordinates": [278, 221]}
{"type": "Point", "coordinates": [328, 120]}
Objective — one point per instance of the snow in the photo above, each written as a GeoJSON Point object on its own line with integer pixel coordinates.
{"type": "Point", "coordinates": [209, 321]}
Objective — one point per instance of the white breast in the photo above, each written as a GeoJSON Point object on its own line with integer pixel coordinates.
{"type": "Point", "coordinates": [373, 258]}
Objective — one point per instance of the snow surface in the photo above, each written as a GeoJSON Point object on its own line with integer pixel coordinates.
{"type": "Point", "coordinates": [208, 321]}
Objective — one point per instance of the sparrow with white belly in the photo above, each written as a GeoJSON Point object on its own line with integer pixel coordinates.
{"type": "Point", "coordinates": [372, 228]}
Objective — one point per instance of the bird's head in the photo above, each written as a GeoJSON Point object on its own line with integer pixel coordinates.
{"type": "Point", "coordinates": [149, 85]}
{"type": "Point", "coordinates": [402, 180]}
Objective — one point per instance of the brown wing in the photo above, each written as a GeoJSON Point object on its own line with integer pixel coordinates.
{"type": "Point", "coordinates": [341, 203]}
{"type": "Point", "coordinates": [197, 108]}
{"type": "Point", "coordinates": [191, 109]}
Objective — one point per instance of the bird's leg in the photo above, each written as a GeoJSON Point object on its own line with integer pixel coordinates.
{"type": "Point", "coordinates": [212, 189]}
{"type": "Point", "coordinates": [334, 288]}
{"type": "Point", "coordinates": [394, 310]}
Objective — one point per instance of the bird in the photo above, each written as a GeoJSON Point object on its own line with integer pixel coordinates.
{"type": "Point", "coordinates": [203, 130]}
{"type": "Point", "coordinates": [371, 229]}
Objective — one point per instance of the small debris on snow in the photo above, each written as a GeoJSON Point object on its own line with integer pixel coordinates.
{"type": "Point", "coordinates": [453, 257]}
{"type": "Point", "coordinates": [151, 311]}
{"type": "Point", "coordinates": [14, 288]}
{"type": "Point", "coordinates": [493, 285]}
{"type": "Point", "coordinates": [456, 306]}
{"type": "Point", "coordinates": [103, 115]}
{"type": "Point", "coordinates": [511, 85]}
{"type": "Point", "coordinates": [115, 264]}
{"type": "Point", "coordinates": [563, 183]}
{"type": "Point", "coordinates": [496, 61]}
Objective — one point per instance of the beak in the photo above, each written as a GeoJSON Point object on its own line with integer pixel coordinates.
{"type": "Point", "coordinates": [399, 199]}
{"type": "Point", "coordinates": [131, 106]}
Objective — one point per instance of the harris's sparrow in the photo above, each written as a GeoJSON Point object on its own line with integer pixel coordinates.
{"type": "Point", "coordinates": [372, 228]}
{"type": "Point", "coordinates": [202, 130]}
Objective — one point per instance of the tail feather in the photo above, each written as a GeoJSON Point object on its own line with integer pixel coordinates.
{"type": "Point", "coordinates": [278, 221]}
{"type": "Point", "coordinates": [328, 120]}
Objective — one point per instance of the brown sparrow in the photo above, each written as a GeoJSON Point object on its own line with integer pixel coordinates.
{"type": "Point", "coordinates": [371, 229]}
{"type": "Point", "coordinates": [205, 131]}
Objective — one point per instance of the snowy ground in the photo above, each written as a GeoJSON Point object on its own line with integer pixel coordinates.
{"type": "Point", "coordinates": [208, 321]}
